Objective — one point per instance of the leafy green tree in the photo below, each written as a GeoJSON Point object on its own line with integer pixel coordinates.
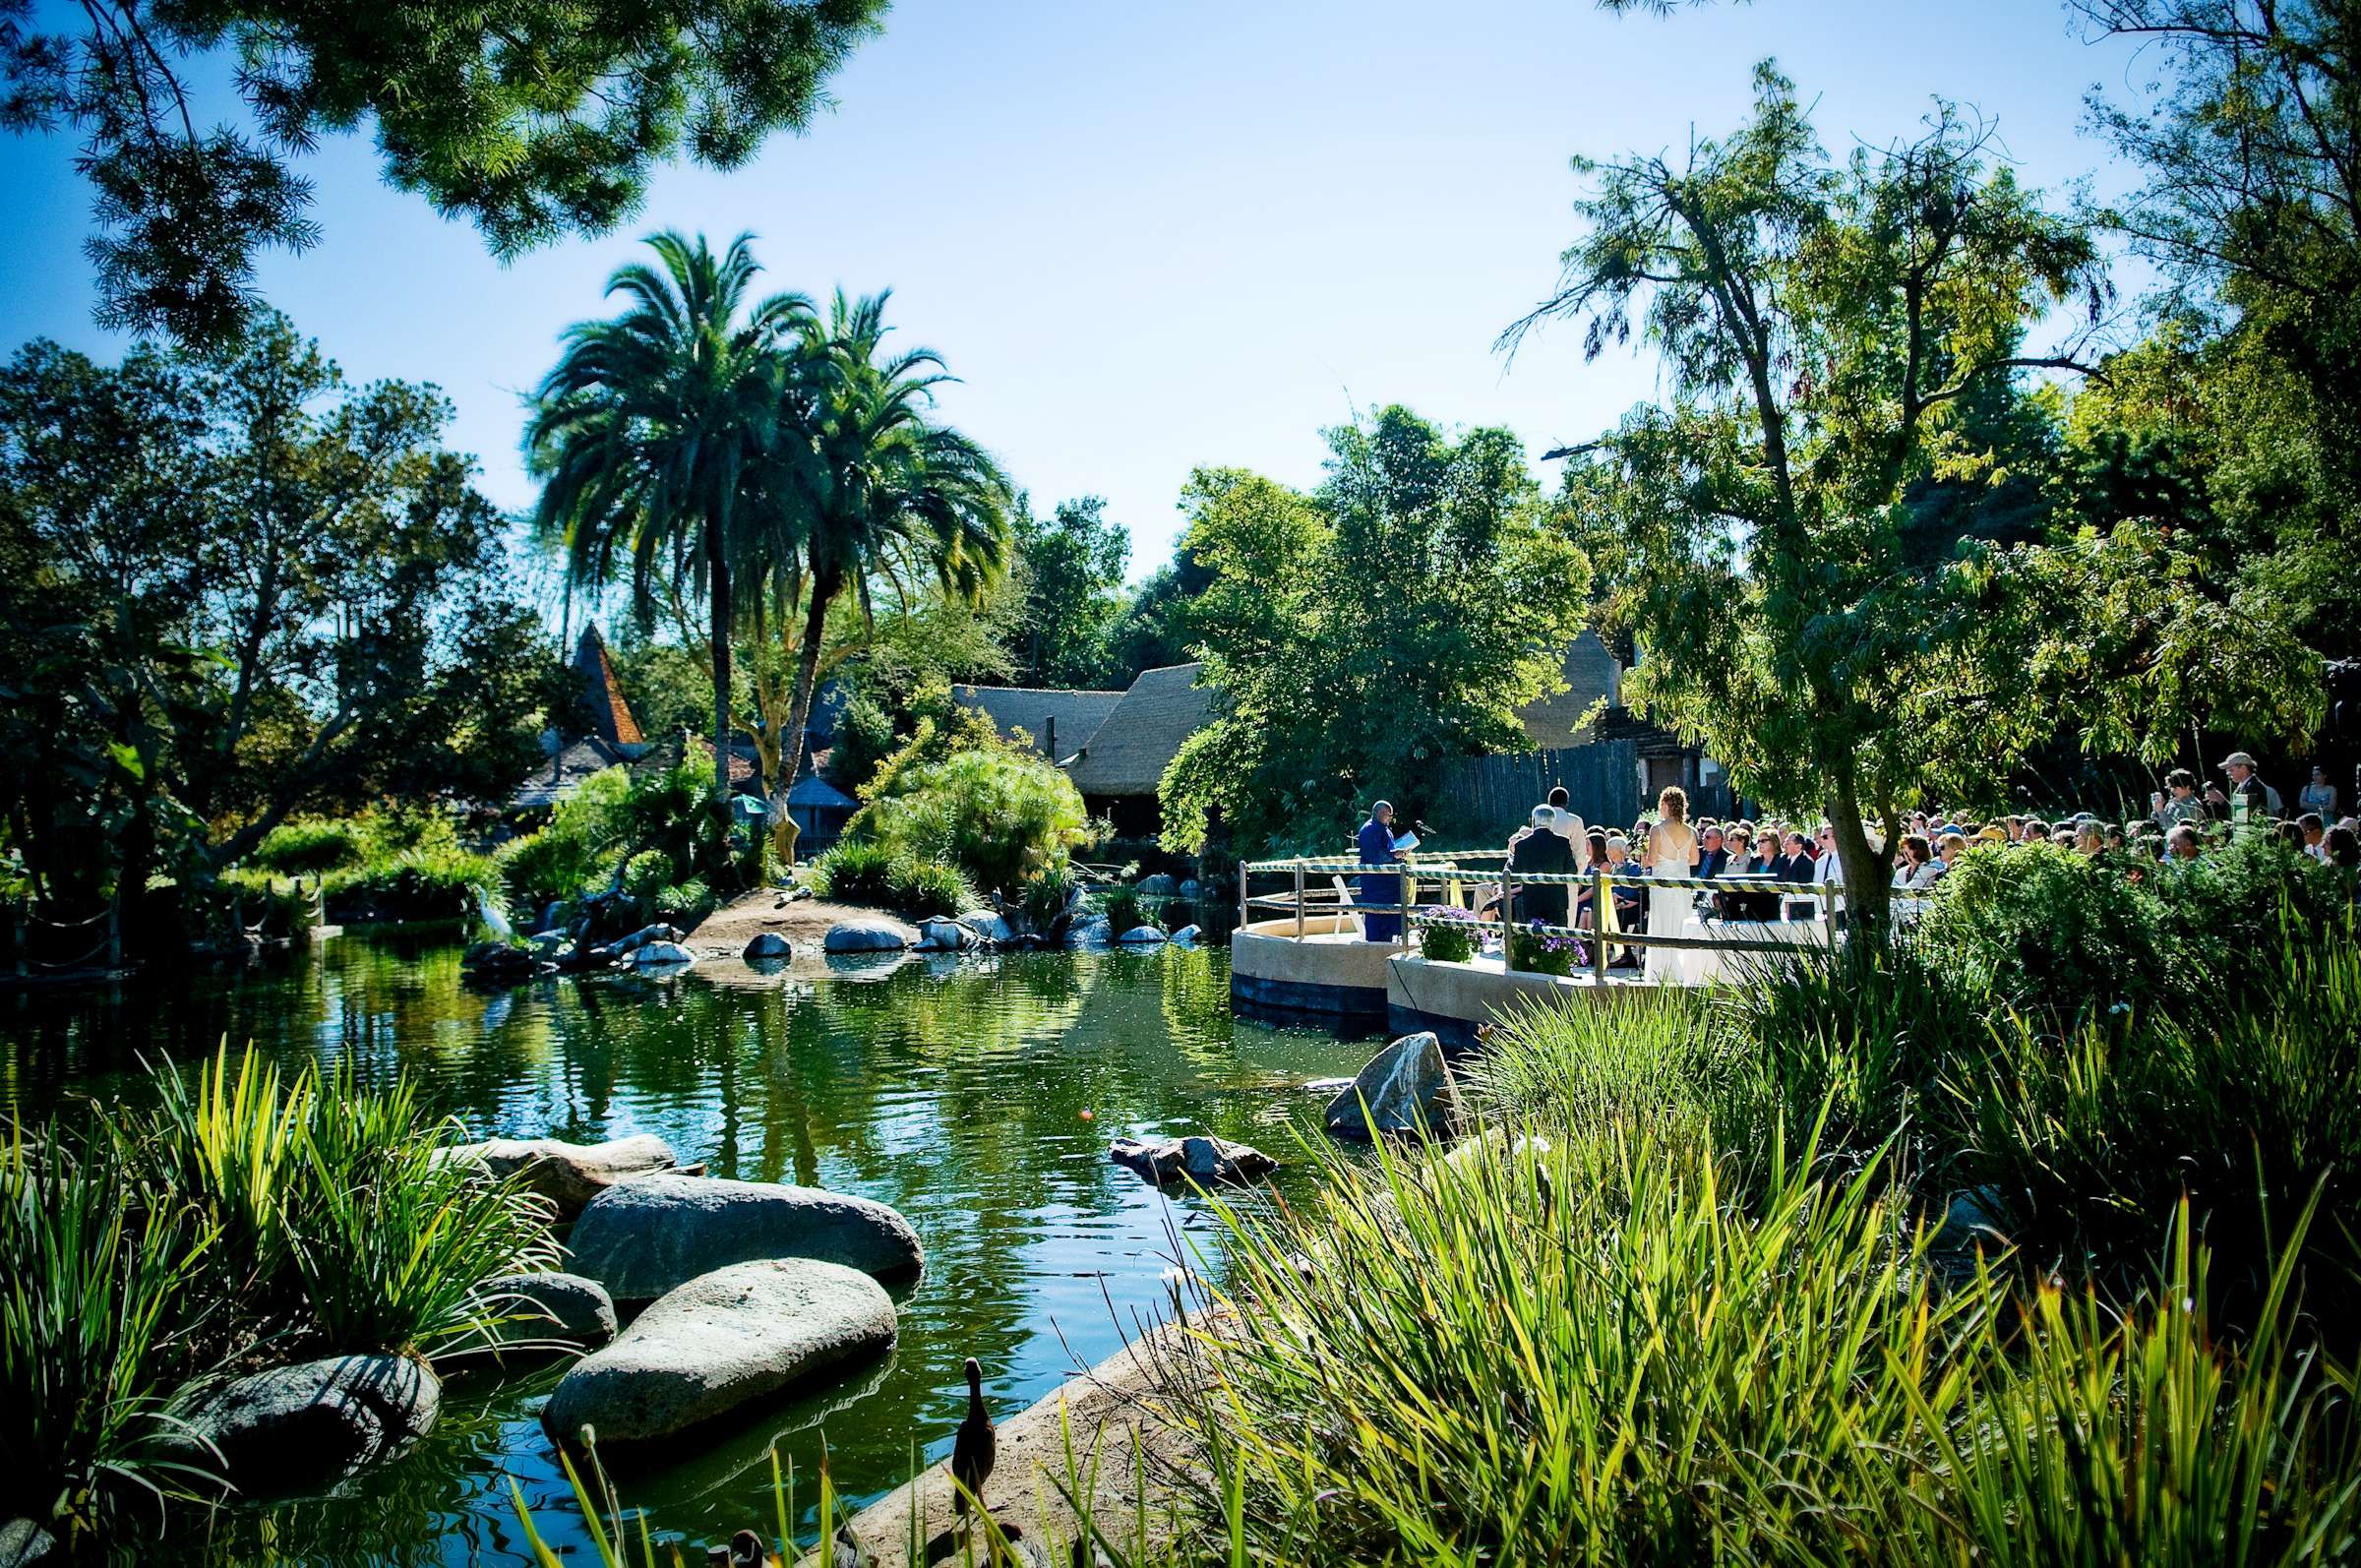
{"type": "Point", "coordinates": [648, 427]}
{"type": "Point", "coordinates": [1826, 333]}
{"type": "Point", "coordinates": [2251, 145]}
{"type": "Point", "coordinates": [230, 588]}
{"type": "Point", "coordinates": [1071, 569]}
{"type": "Point", "coordinates": [873, 489]}
{"type": "Point", "coordinates": [1154, 629]}
{"type": "Point", "coordinates": [534, 120]}
{"type": "Point", "coordinates": [1358, 637]}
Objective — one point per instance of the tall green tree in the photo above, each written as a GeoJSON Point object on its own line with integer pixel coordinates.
{"type": "Point", "coordinates": [1358, 637]}
{"type": "Point", "coordinates": [1825, 331]}
{"type": "Point", "coordinates": [872, 489]}
{"type": "Point", "coordinates": [531, 118]}
{"type": "Point", "coordinates": [1071, 566]}
{"type": "Point", "coordinates": [648, 431]}
{"type": "Point", "coordinates": [231, 589]}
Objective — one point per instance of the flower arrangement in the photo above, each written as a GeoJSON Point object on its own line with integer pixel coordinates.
{"type": "Point", "coordinates": [1446, 934]}
{"type": "Point", "coordinates": [1538, 949]}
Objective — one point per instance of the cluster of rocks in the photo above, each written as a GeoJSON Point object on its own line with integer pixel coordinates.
{"type": "Point", "coordinates": [1199, 1157]}
{"type": "Point", "coordinates": [747, 1288]}
{"type": "Point", "coordinates": [657, 947]}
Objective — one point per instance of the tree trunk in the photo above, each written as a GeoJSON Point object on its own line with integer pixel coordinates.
{"type": "Point", "coordinates": [1868, 885]}
{"type": "Point", "coordinates": [719, 598]}
{"type": "Point", "coordinates": [824, 588]}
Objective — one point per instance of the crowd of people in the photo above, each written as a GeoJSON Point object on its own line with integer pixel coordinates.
{"type": "Point", "coordinates": [2185, 821]}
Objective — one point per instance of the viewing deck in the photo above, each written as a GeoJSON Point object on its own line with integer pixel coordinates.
{"type": "Point", "coordinates": [1300, 956]}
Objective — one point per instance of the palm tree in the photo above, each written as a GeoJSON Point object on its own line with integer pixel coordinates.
{"type": "Point", "coordinates": [646, 432]}
{"type": "Point", "coordinates": [881, 492]}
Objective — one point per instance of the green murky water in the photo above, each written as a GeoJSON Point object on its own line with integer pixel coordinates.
{"type": "Point", "coordinates": [951, 1088]}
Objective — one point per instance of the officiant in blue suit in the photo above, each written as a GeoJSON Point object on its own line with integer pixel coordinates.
{"type": "Point", "coordinates": [1376, 842]}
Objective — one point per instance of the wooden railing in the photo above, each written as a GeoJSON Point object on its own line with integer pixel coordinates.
{"type": "Point", "coordinates": [1303, 900]}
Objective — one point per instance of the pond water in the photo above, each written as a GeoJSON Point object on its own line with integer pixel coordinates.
{"type": "Point", "coordinates": [952, 1088]}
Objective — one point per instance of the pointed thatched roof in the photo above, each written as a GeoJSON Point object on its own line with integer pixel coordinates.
{"type": "Point", "coordinates": [603, 701]}
{"type": "Point", "coordinates": [1078, 714]}
{"type": "Point", "coordinates": [564, 774]}
{"type": "Point", "coordinates": [1132, 747]}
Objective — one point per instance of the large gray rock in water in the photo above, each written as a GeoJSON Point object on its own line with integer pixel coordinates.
{"type": "Point", "coordinates": [1407, 1090]}
{"type": "Point", "coordinates": [1090, 934]}
{"type": "Point", "coordinates": [767, 944]}
{"type": "Point", "coordinates": [718, 1341]}
{"type": "Point", "coordinates": [538, 1310]}
{"type": "Point", "coordinates": [942, 935]}
{"type": "Point", "coordinates": [571, 1175]}
{"type": "Point", "coordinates": [644, 1237]}
{"type": "Point", "coordinates": [660, 955]}
{"type": "Point", "coordinates": [1188, 934]}
{"type": "Point", "coordinates": [1155, 885]}
{"type": "Point", "coordinates": [1142, 936]}
{"type": "Point", "coordinates": [300, 1428]}
{"type": "Point", "coordinates": [863, 936]}
{"type": "Point", "coordinates": [1200, 1158]}
{"type": "Point", "coordinates": [986, 926]}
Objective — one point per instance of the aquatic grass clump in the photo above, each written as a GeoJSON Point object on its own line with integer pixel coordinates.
{"type": "Point", "coordinates": [95, 1322]}
{"type": "Point", "coordinates": [857, 873]}
{"type": "Point", "coordinates": [1572, 1347]}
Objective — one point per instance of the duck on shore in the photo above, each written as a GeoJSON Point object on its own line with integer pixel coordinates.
{"type": "Point", "coordinates": [975, 1448]}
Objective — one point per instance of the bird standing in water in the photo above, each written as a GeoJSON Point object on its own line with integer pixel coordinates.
{"type": "Point", "coordinates": [975, 1448]}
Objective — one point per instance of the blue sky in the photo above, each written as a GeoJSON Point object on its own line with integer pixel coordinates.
{"type": "Point", "coordinates": [1151, 235]}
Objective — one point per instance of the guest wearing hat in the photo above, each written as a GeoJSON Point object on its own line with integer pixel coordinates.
{"type": "Point", "coordinates": [2246, 799]}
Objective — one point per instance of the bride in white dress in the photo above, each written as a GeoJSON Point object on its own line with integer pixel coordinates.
{"type": "Point", "coordinates": [1671, 851]}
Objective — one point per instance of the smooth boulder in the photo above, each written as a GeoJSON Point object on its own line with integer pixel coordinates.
{"type": "Point", "coordinates": [299, 1428]}
{"type": "Point", "coordinates": [987, 926]}
{"type": "Point", "coordinates": [1142, 936]}
{"type": "Point", "coordinates": [648, 1236]}
{"type": "Point", "coordinates": [767, 944]}
{"type": "Point", "coordinates": [1200, 1158]}
{"type": "Point", "coordinates": [1408, 1091]}
{"type": "Point", "coordinates": [660, 955]}
{"type": "Point", "coordinates": [1188, 934]}
{"type": "Point", "coordinates": [24, 1543]}
{"type": "Point", "coordinates": [553, 1307]}
{"type": "Point", "coordinates": [571, 1175]}
{"type": "Point", "coordinates": [1090, 934]}
{"type": "Point", "coordinates": [724, 1338]}
{"type": "Point", "coordinates": [942, 935]}
{"type": "Point", "coordinates": [864, 936]}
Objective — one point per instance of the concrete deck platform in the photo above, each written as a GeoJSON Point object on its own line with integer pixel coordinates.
{"type": "Point", "coordinates": [1454, 1001]}
{"type": "Point", "coordinates": [1331, 979]}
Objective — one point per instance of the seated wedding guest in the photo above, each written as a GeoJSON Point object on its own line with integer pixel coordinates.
{"type": "Point", "coordinates": [2341, 847]}
{"type": "Point", "coordinates": [1948, 850]}
{"type": "Point", "coordinates": [1796, 865]}
{"type": "Point", "coordinates": [1712, 857]}
{"type": "Point", "coordinates": [2291, 834]}
{"type": "Point", "coordinates": [1592, 854]}
{"type": "Point", "coordinates": [2182, 845]}
{"type": "Point", "coordinates": [2036, 831]}
{"type": "Point", "coordinates": [1628, 901]}
{"type": "Point", "coordinates": [1740, 844]}
{"type": "Point", "coordinates": [2088, 839]}
{"type": "Point", "coordinates": [2316, 834]}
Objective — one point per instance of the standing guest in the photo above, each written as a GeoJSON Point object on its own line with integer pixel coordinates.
{"type": "Point", "coordinates": [1712, 857]}
{"type": "Point", "coordinates": [2320, 796]}
{"type": "Point", "coordinates": [2342, 847]}
{"type": "Point", "coordinates": [1376, 841]}
{"type": "Point", "coordinates": [2245, 799]}
{"type": "Point", "coordinates": [2178, 803]}
{"type": "Point", "coordinates": [1567, 825]}
{"type": "Point", "coordinates": [1541, 850]}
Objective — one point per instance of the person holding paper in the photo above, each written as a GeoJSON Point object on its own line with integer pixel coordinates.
{"type": "Point", "coordinates": [1377, 845]}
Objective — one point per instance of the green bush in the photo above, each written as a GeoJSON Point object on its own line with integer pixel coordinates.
{"type": "Point", "coordinates": [427, 881]}
{"type": "Point", "coordinates": [1447, 937]}
{"type": "Point", "coordinates": [999, 814]}
{"type": "Point", "coordinates": [310, 846]}
{"type": "Point", "coordinates": [2044, 926]}
{"type": "Point", "coordinates": [1124, 911]}
{"type": "Point", "coordinates": [869, 874]}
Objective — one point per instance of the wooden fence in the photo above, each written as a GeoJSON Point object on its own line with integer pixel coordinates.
{"type": "Point", "coordinates": [1486, 798]}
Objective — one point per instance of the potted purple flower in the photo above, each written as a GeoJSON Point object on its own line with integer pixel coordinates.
{"type": "Point", "coordinates": [1446, 934]}
{"type": "Point", "coordinates": [1538, 949]}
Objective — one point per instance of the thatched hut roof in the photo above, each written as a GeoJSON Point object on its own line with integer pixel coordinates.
{"type": "Point", "coordinates": [1078, 715]}
{"type": "Point", "coordinates": [564, 774]}
{"type": "Point", "coordinates": [1132, 747]}
{"type": "Point", "coordinates": [1590, 673]}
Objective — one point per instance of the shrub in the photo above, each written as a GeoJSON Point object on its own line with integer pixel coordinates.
{"type": "Point", "coordinates": [1446, 934]}
{"type": "Point", "coordinates": [427, 881]}
{"type": "Point", "coordinates": [855, 874]}
{"type": "Point", "coordinates": [1045, 899]}
{"type": "Point", "coordinates": [1124, 911]}
{"type": "Point", "coordinates": [930, 887]}
{"type": "Point", "coordinates": [2044, 926]}
{"type": "Point", "coordinates": [310, 846]}
{"type": "Point", "coordinates": [999, 815]}
{"type": "Point", "coordinates": [683, 904]}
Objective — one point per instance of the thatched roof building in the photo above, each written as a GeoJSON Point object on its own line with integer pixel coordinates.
{"type": "Point", "coordinates": [1119, 770]}
{"type": "Point", "coordinates": [1060, 723]}
{"type": "Point", "coordinates": [1590, 675]}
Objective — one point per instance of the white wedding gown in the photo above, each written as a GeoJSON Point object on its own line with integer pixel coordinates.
{"type": "Point", "coordinates": [1668, 908]}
